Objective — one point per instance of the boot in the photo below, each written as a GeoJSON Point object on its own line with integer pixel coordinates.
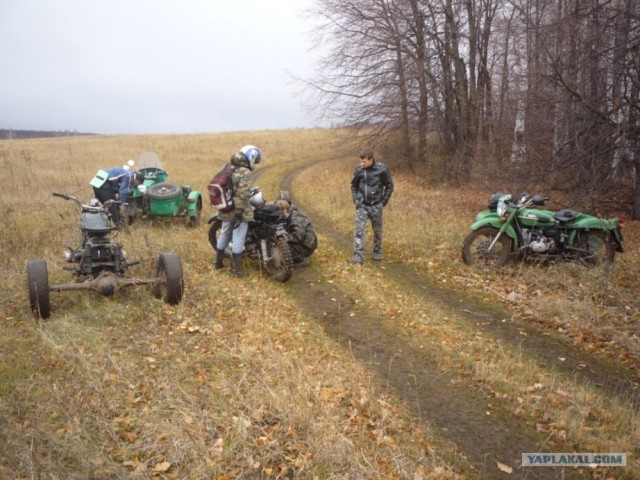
{"type": "Point", "coordinates": [236, 268]}
{"type": "Point", "coordinates": [219, 258]}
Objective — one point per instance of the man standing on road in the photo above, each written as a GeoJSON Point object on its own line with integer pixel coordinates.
{"type": "Point", "coordinates": [371, 189]}
{"type": "Point", "coordinates": [235, 223]}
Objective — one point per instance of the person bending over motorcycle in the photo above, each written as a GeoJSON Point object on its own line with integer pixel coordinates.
{"type": "Point", "coordinates": [115, 183]}
{"type": "Point", "coordinates": [236, 222]}
{"type": "Point", "coordinates": [302, 238]}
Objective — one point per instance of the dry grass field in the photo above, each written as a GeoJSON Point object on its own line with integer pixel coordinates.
{"type": "Point", "coordinates": [249, 378]}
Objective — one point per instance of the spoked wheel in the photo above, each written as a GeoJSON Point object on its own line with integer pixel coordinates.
{"type": "Point", "coordinates": [595, 247]}
{"type": "Point", "coordinates": [475, 250]}
{"type": "Point", "coordinates": [38, 281]}
{"type": "Point", "coordinates": [169, 271]}
{"type": "Point", "coordinates": [163, 191]}
{"type": "Point", "coordinates": [280, 260]}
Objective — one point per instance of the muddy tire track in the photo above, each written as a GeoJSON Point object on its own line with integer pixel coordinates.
{"type": "Point", "coordinates": [457, 410]}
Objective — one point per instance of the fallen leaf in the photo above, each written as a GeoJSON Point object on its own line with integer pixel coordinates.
{"type": "Point", "coordinates": [504, 468]}
{"type": "Point", "coordinates": [162, 467]}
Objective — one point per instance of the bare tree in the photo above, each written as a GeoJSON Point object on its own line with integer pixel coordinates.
{"type": "Point", "coordinates": [548, 88]}
{"type": "Point", "coordinates": [583, 57]}
{"type": "Point", "coordinates": [364, 81]}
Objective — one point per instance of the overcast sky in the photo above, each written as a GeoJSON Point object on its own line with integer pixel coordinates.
{"type": "Point", "coordinates": [153, 66]}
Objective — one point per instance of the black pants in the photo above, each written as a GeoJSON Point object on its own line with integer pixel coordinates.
{"type": "Point", "coordinates": [105, 193]}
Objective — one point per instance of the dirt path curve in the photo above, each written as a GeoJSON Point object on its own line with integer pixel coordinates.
{"type": "Point", "coordinates": [548, 349]}
{"type": "Point", "coordinates": [457, 410]}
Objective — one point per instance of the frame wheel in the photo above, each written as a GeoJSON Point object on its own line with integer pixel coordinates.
{"type": "Point", "coordinates": [38, 282]}
{"type": "Point", "coordinates": [171, 285]}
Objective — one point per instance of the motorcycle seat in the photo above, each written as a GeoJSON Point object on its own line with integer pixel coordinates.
{"type": "Point", "coordinates": [268, 213]}
{"type": "Point", "coordinates": [565, 215]}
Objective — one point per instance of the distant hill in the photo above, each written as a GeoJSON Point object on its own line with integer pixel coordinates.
{"type": "Point", "coordinates": [8, 134]}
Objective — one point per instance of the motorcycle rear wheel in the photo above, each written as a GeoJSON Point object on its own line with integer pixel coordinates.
{"type": "Point", "coordinates": [475, 248]}
{"type": "Point", "coordinates": [214, 233]}
{"type": "Point", "coordinates": [596, 247]}
{"type": "Point", "coordinates": [38, 281]}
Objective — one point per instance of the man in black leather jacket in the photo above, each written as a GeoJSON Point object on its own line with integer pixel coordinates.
{"type": "Point", "coordinates": [371, 189]}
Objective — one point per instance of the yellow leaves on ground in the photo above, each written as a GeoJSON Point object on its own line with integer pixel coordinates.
{"type": "Point", "coordinates": [161, 467]}
{"type": "Point", "coordinates": [504, 468]}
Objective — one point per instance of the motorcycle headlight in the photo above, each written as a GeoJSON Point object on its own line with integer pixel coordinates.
{"type": "Point", "coordinates": [501, 209]}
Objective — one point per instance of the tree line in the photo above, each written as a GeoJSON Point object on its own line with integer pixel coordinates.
{"type": "Point", "coordinates": [543, 91]}
{"type": "Point", "coordinates": [10, 134]}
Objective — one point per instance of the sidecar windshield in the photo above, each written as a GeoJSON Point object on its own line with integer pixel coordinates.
{"type": "Point", "coordinates": [149, 160]}
{"type": "Point", "coordinates": [150, 166]}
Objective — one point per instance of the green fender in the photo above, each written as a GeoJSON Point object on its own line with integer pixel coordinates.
{"type": "Point", "coordinates": [194, 204]}
{"type": "Point", "coordinates": [487, 218]}
{"type": "Point", "coordinates": [589, 222]}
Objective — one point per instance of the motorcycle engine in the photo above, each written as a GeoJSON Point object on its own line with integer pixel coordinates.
{"type": "Point", "coordinates": [536, 242]}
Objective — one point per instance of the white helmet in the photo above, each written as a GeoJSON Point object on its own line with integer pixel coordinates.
{"type": "Point", "coordinates": [256, 198]}
{"type": "Point", "coordinates": [252, 154]}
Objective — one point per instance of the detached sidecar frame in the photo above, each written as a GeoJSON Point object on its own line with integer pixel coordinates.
{"type": "Point", "coordinates": [161, 199]}
{"type": "Point", "coordinates": [167, 285]}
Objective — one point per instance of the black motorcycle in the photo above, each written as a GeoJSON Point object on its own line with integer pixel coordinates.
{"type": "Point", "coordinates": [266, 243]}
{"type": "Point", "coordinates": [100, 263]}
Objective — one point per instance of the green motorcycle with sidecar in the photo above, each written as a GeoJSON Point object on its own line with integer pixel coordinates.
{"type": "Point", "coordinates": [157, 198]}
{"type": "Point", "coordinates": [520, 228]}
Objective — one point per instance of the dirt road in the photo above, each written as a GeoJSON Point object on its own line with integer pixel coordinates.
{"type": "Point", "coordinates": [458, 410]}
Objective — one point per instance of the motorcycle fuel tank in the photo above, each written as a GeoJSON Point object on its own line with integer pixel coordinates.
{"type": "Point", "coordinates": [95, 222]}
{"type": "Point", "coordinates": [533, 217]}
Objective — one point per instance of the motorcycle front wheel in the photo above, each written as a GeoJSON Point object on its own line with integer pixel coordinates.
{"type": "Point", "coordinates": [280, 262]}
{"type": "Point", "coordinates": [595, 247]}
{"type": "Point", "coordinates": [475, 249]}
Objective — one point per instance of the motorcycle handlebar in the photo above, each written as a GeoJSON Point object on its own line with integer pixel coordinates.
{"type": "Point", "coordinates": [67, 197]}
{"type": "Point", "coordinates": [102, 207]}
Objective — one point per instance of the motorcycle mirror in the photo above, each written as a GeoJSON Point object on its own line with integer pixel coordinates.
{"type": "Point", "coordinates": [538, 200]}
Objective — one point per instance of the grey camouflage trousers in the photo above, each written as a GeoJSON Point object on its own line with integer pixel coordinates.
{"type": "Point", "coordinates": [364, 213]}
